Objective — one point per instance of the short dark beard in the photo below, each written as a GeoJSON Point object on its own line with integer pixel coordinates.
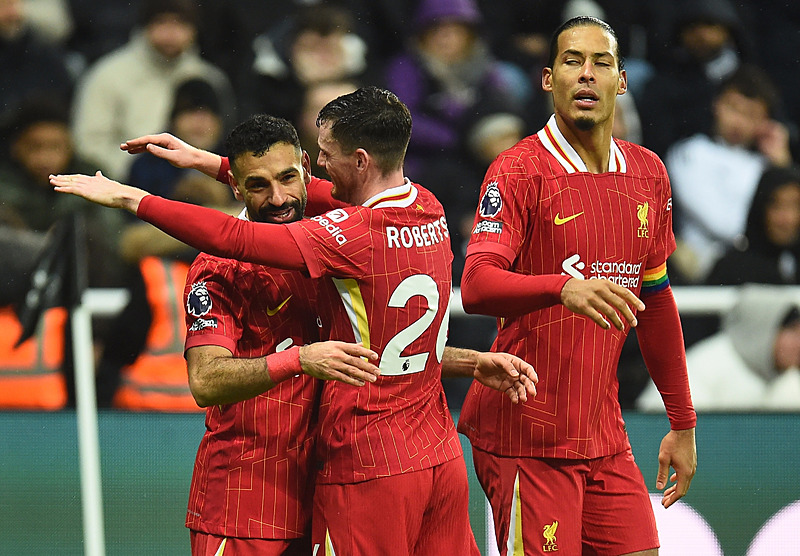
{"type": "Point", "coordinates": [584, 124]}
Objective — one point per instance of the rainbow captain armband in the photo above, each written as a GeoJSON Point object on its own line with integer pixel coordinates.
{"type": "Point", "coordinates": [655, 279]}
{"type": "Point", "coordinates": [284, 364]}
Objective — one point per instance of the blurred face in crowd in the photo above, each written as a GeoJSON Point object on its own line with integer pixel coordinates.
{"type": "Point", "coordinates": [199, 127]}
{"type": "Point", "coordinates": [449, 41]}
{"type": "Point", "coordinates": [782, 215]}
{"type": "Point", "coordinates": [739, 119]}
{"type": "Point", "coordinates": [44, 148]}
{"type": "Point", "coordinates": [787, 347]}
{"type": "Point", "coordinates": [170, 35]}
{"type": "Point", "coordinates": [11, 18]}
{"type": "Point", "coordinates": [316, 57]}
{"type": "Point", "coordinates": [272, 186]}
{"type": "Point", "coordinates": [585, 78]}
{"type": "Point", "coordinates": [705, 40]}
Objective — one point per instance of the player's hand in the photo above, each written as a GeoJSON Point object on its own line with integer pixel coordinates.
{"type": "Point", "coordinates": [163, 145]}
{"type": "Point", "coordinates": [99, 189]}
{"type": "Point", "coordinates": [678, 450]}
{"type": "Point", "coordinates": [340, 361]}
{"type": "Point", "coordinates": [602, 301]}
{"type": "Point", "coordinates": [506, 373]}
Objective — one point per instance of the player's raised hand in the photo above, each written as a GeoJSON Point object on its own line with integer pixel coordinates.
{"type": "Point", "coordinates": [678, 450]}
{"type": "Point", "coordinates": [175, 151]}
{"type": "Point", "coordinates": [340, 361]}
{"type": "Point", "coordinates": [602, 301]}
{"type": "Point", "coordinates": [99, 189]}
{"type": "Point", "coordinates": [163, 145]}
{"type": "Point", "coordinates": [506, 373]}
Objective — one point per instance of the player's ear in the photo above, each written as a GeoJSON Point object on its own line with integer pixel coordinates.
{"type": "Point", "coordinates": [363, 159]}
{"type": "Point", "coordinates": [234, 185]}
{"type": "Point", "coordinates": [623, 83]}
{"type": "Point", "coordinates": [307, 175]}
{"type": "Point", "coordinates": [547, 79]}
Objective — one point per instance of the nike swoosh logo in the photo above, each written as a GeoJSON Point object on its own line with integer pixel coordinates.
{"type": "Point", "coordinates": [559, 221]}
{"type": "Point", "coordinates": [273, 312]}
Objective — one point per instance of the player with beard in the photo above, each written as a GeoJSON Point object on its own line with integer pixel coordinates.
{"type": "Point", "coordinates": [385, 261]}
{"type": "Point", "coordinates": [583, 223]}
{"type": "Point", "coordinates": [252, 487]}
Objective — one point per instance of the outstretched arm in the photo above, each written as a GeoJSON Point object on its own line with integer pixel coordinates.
{"type": "Point", "coordinates": [500, 371]}
{"type": "Point", "coordinates": [208, 230]}
{"type": "Point", "coordinates": [216, 377]}
{"type": "Point", "coordinates": [176, 152]}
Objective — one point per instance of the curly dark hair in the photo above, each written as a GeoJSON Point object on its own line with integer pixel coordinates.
{"type": "Point", "coordinates": [258, 134]}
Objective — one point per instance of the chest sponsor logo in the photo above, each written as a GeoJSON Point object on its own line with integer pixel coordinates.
{"type": "Point", "coordinates": [621, 273]}
{"type": "Point", "coordinates": [558, 221]}
{"type": "Point", "coordinates": [329, 220]}
{"type": "Point", "coordinates": [272, 312]}
{"type": "Point", "coordinates": [491, 202]}
{"type": "Point", "coordinates": [198, 302]}
{"type": "Point", "coordinates": [488, 226]}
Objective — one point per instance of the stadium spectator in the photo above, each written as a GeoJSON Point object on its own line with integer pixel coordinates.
{"type": "Point", "coordinates": [40, 144]}
{"type": "Point", "coordinates": [571, 223]}
{"type": "Point", "coordinates": [449, 79]}
{"type": "Point", "coordinates": [715, 174]}
{"type": "Point", "coordinates": [769, 251]}
{"type": "Point", "coordinates": [752, 363]}
{"type": "Point", "coordinates": [705, 46]}
{"type": "Point", "coordinates": [130, 91]}
{"type": "Point", "coordinates": [196, 118]}
{"type": "Point", "coordinates": [31, 67]}
{"type": "Point", "coordinates": [317, 43]}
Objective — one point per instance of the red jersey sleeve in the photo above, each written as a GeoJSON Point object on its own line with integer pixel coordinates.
{"type": "Point", "coordinates": [222, 235]}
{"type": "Point", "coordinates": [210, 300]}
{"type": "Point", "coordinates": [507, 205]}
{"type": "Point", "coordinates": [337, 243]}
{"type": "Point", "coordinates": [661, 343]}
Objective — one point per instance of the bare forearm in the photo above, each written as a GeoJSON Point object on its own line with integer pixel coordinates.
{"type": "Point", "coordinates": [218, 380]}
{"type": "Point", "coordinates": [459, 362]}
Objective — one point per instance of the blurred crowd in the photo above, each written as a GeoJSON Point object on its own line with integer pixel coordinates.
{"type": "Point", "coordinates": [710, 83]}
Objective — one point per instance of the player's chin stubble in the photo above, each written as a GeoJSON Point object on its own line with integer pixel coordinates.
{"type": "Point", "coordinates": [584, 124]}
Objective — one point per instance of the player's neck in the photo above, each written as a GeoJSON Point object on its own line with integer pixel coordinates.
{"type": "Point", "coordinates": [593, 145]}
{"type": "Point", "coordinates": [377, 183]}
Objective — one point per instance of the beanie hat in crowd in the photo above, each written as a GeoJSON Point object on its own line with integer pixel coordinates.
{"type": "Point", "coordinates": [195, 94]}
{"type": "Point", "coordinates": [435, 11]}
{"type": "Point", "coordinates": [186, 10]}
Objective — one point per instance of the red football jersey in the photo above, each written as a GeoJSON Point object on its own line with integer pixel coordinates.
{"type": "Point", "coordinates": [542, 209]}
{"type": "Point", "coordinates": [253, 475]}
{"type": "Point", "coordinates": [387, 266]}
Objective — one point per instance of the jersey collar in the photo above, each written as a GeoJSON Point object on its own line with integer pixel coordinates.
{"type": "Point", "coordinates": [557, 145]}
{"type": "Point", "coordinates": [401, 196]}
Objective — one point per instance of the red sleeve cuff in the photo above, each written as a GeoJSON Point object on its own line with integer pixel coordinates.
{"type": "Point", "coordinates": [222, 175]}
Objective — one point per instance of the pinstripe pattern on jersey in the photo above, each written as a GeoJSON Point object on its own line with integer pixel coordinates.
{"type": "Point", "coordinates": [576, 412]}
{"type": "Point", "coordinates": [252, 472]}
{"type": "Point", "coordinates": [401, 423]}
